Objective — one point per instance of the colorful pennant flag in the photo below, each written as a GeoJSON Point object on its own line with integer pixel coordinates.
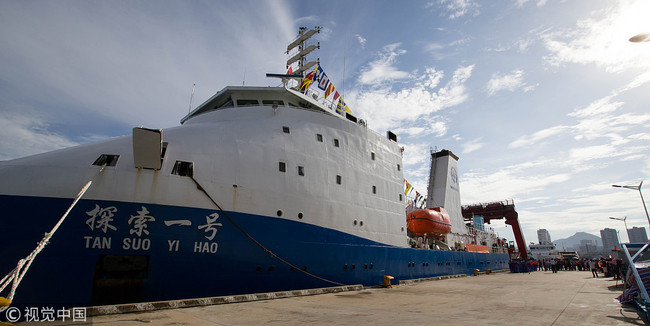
{"type": "Point", "coordinates": [307, 81]}
{"type": "Point", "coordinates": [408, 187]}
{"type": "Point", "coordinates": [323, 80]}
{"type": "Point", "coordinates": [339, 107]}
{"type": "Point", "coordinates": [329, 90]}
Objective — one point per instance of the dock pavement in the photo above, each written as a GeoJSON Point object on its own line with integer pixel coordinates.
{"type": "Point", "coordinates": [504, 298]}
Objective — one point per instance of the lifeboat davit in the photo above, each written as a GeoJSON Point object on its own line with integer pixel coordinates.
{"type": "Point", "coordinates": [430, 221]}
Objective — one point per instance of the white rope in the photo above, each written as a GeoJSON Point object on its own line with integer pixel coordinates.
{"type": "Point", "coordinates": [17, 274]}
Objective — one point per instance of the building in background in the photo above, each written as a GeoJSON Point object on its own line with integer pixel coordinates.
{"type": "Point", "coordinates": [637, 235]}
{"type": "Point", "coordinates": [543, 236]}
{"type": "Point", "coordinates": [610, 239]}
{"type": "Point", "coordinates": [587, 247]}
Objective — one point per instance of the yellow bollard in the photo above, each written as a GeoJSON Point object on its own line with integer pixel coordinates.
{"type": "Point", "coordinates": [4, 302]}
{"type": "Point", "coordinates": [387, 279]}
{"type": "Point", "coordinates": [475, 272]}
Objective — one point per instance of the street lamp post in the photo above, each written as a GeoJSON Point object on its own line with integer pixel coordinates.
{"type": "Point", "coordinates": [640, 193]}
{"type": "Point", "coordinates": [624, 222]}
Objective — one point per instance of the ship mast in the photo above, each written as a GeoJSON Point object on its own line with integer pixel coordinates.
{"type": "Point", "coordinates": [301, 42]}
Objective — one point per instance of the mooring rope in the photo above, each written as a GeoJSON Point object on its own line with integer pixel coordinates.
{"type": "Point", "coordinates": [18, 273]}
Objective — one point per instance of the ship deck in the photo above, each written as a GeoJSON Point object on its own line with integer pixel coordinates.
{"type": "Point", "coordinates": [538, 298]}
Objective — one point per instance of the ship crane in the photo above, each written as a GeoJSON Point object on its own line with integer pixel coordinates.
{"type": "Point", "coordinates": [496, 211]}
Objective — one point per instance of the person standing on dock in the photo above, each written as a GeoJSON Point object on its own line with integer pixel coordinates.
{"type": "Point", "coordinates": [592, 266]}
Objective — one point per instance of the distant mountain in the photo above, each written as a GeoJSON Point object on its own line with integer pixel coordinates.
{"type": "Point", "coordinates": [574, 241]}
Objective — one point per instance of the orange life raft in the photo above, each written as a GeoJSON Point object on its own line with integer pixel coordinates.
{"type": "Point", "coordinates": [430, 221]}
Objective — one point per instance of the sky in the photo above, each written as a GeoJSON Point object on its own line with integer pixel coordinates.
{"type": "Point", "coordinates": [544, 101]}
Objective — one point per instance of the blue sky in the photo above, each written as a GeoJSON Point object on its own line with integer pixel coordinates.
{"type": "Point", "coordinates": [545, 102]}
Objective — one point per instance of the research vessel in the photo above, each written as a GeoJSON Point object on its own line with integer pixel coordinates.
{"type": "Point", "coordinates": [259, 189]}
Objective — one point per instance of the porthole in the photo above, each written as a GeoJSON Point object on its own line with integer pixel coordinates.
{"type": "Point", "coordinates": [355, 222]}
{"type": "Point", "coordinates": [352, 267]}
{"type": "Point", "coordinates": [372, 156]}
{"type": "Point", "coordinates": [371, 266]}
{"type": "Point", "coordinates": [279, 212]}
{"type": "Point", "coordinates": [282, 166]}
{"type": "Point", "coordinates": [271, 269]}
{"type": "Point", "coordinates": [300, 216]}
{"type": "Point", "coordinates": [345, 266]}
{"type": "Point", "coordinates": [319, 137]}
{"type": "Point", "coordinates": [374, 189]}
{"type": "Point", "coordinates": [286, 130]}
{"type": "Point", "coordinates": [360, 223]}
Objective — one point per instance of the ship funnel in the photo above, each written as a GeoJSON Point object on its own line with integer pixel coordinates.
{"type": "Point", "coordinates": [443, 190]}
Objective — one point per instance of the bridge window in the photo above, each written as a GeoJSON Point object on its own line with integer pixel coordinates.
{"type": "Point", "coordinates": [248, 103]}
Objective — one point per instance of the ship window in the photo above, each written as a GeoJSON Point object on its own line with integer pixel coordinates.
{"type": "Point", "coordinates": [319, 137]}
{"type": "Point", "coordinates": [374, 189]}
{"type": "Point", "coordinates": [106, 159]}
{"type": "Point", "coordinates": [247, 103]}
{"type": "Point", "coordinates": [399, 168]}
{"type": "Point", "coordinates": [301, 170]}
{"type": "Point", "coordinates": [286, 130]}
{"type": "Point", "coordinates": [372, 155]}
{"type": "Point", "coordinates": [184, 169]}
{"type": "Point", "coordinates": [224, 103]}
{"type": "Point", "coordinates": [282, 166]}
{"type": "Point", "coordinates": [338, 179]}
{"type": "Point", "coordinates": [400, 197]}
{"type": "Point", "coordinates": [228, 104]}
{"type": "Point", "coordinates": [272, 102]}
{"type": "Point", "coordinates": [336, 142]}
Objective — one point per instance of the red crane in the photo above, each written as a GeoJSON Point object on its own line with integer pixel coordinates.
{"type": "Point", "coordinates": [496, 211]}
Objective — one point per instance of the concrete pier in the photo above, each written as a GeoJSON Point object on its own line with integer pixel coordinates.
{"type": "Point", "coordinates": [538, 298]}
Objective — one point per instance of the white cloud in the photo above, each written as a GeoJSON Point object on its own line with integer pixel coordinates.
{"type": "Point", "coordinates": [472, 145]}
{"type": "Point", "coordinates": [509, 182]}
{"type": "Point", "coordinates": [646, 167]}
{"type": "Point", "coordinates": [383, 69]}
{"type": "Point", "coordinates": [33, 134]}
{"type": "Point", "coordinates": [456, 8]}
{"type": "Point", "coordinates": [602, 39]}
{"type": "Point", "coordinates": [385, 108]}
{"type": "Point", "coordinates": [525, 141]}
{"type": "Point", "coordinates": [362, 40]}
{"type": "Point", "coordinates": [509, 82]}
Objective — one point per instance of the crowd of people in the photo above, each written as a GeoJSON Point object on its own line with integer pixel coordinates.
{"type": "Point", "coordinates": [605, 267]}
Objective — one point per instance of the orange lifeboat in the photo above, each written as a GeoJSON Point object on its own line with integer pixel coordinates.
{"type": "Point", "coordinates": [430, 221]}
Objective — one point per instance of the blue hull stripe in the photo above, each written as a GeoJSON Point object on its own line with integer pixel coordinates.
{"type": "Point", "coordinates": [116, 252]}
